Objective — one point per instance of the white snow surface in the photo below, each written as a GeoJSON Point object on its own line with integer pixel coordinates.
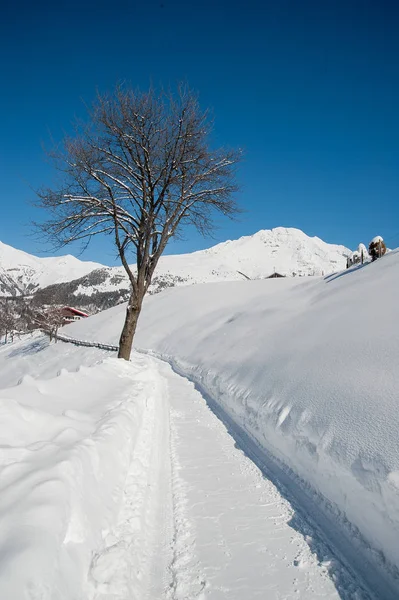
{"type": "Point", "coordinates": [118, 483]}
{"type": "Point", "coordinates": [31, 272]}
{"type": "Point", "coordinates": [270, 470]}
{"type": "Point", "coordinates": [376, 239]}
{"type": "Point", "coordinates": [307, 368]}
{"type": "Point", "coordinates": [68, 446]}
{"type": "Point", "coordinates": [285, 250]}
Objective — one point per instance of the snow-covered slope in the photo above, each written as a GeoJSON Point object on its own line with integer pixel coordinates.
{"type": "Point", "coordinates": [21, 272]}
{"type": "Point", "coordinates": [8, 287]}
{"type": "Point", "coordinates": [67, 444]}
{"type": "Point", "coordinates": [307, 367]}
{"type": "Point", "coordinates": [285, 250]}
{"type": "Point", "coordinates": [117, 481]}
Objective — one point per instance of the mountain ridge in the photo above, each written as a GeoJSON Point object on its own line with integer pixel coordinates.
{"type": "Point", "coordinates": [288, 251]}
{"type": "Point", "coordinates": [30, 273]}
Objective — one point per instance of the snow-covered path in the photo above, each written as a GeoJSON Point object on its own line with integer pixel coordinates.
{"type": "Point", "coordinates": [199, 520]}
{"type": "Point", "coordinates": [159, 501]}
{"type": "Point", "coordinates": [132, 563]}
{"type": "Point", "coordinates": [234, 535]}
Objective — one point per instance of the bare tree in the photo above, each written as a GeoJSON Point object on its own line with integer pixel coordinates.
{"type": "Point", "coordinates": [141, 169]}
{"type": "Point", "coordinates": [49, 319]}
{"type": "Point", "coordinates": [8, 320]}
{"type": "Point", "coordinates": [3, 320]}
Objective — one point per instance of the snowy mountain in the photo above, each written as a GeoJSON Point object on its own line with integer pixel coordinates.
{"type": "Point", "coordinates": [287, 251]}
{"type": "Point", "coordinates": [8, 287]}
{"type": "Point", "coordinates": [23, 273]}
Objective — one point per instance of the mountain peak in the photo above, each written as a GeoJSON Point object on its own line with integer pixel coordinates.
{"type": "Point", "coordinates": [30, 272]}
{"type": "Point", "coordinates": [286, 250]}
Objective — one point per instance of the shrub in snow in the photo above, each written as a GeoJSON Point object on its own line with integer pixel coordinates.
{"type": "Point", "coordinates": [377, 247]}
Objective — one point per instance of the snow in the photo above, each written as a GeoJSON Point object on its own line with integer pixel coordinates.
{"type": "Point", "coordinates": [262, 461]}
{"type": "Point", "coordinates": [307, 367]}
{"type": "Point", "coordinates": [34, 356]}
{"type": "Point", "coordinates": [235, 533]}
{"type": "Point", "coordinates": [119, 482]}
{"type": "Point", "coordinates": [376, 239]}
{"type": "Point", "coordinates": [31, 272]}
{"type": "Point", "coordinates": [363, 250]}
{"type": "Point", "coordinates": [286, 250]}
{"type": "Point", "coordinates": [67, 448]}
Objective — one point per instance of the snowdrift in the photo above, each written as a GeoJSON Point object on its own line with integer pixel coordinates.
{"type": "Point", "coordinates": [309, 368]}
{"type": "Point", "coordinates": [67, 441]}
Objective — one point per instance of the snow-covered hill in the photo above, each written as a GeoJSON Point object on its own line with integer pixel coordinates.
{"type": "Point", "coordinates": [271, 469]}
{"type": "Point", "coordinates": [308, 369]}
{"type": "Point", "coordinates": [23, 273]}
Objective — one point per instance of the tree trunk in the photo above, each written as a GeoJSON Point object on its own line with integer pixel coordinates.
{"type": "Point", "coordinates": [129, 328]}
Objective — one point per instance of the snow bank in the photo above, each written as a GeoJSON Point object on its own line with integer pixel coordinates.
{"type": "Point", "coordinates": [34, 355]}
{"type": "Point", "coordinates": [65, 448]}
{"type": "Point", "coordinates": [309, 368]}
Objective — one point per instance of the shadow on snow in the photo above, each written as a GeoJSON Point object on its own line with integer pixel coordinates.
{"type": "Point", "coordinates": [33, 348]}
{"type": "Point", "coordinates": [338, 545]}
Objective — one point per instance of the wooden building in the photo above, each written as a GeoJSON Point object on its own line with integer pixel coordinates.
{"type": "Point", "coordinates": [71, 314]}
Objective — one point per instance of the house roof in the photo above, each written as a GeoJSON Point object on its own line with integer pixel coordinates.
{"type": "Point", "coordinates": [76, 312]}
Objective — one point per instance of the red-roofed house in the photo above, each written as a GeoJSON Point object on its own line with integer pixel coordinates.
{"type": "Point", "coordinates": [72, 314]}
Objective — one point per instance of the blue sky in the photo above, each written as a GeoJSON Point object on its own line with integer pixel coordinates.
{"type": "Point", "coordinates": [309, 89]}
